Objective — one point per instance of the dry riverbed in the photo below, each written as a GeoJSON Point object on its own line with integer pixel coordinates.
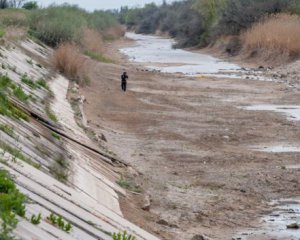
{"type": "Point", "coordinates": [196, 147]}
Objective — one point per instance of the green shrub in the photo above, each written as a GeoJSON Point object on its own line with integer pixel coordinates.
{"type": "Point", "coordinates": [122, 236]}
{"type": "Point", "coordinates": [30, 5]}
{"type": "Point", "coordinates": [52, 218]}
{"type": "Point", "coordinates": [57, 24]}
{"type": "Point", "coordinates": [60, 222]}
{"type": "Point", "coordinates": [20, 94]}
{"type": "Point", "coordinates": [42, 83]}
{"type": "Point", "coordinates": [66, 23]}
{"type": "Point", "coordinates": [12, 203]}
{"type": "Point", "coordinates": [36, 220]}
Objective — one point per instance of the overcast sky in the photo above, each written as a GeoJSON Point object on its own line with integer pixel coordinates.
{"type": "Point", "coordinates": [102, 4]}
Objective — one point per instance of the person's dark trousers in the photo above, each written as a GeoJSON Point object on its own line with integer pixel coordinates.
{"type": "Point", "coordinates": [124, 86]}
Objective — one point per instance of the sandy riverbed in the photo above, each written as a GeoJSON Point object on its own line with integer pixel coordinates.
{"type": "Point", "coordinates": [192, 143]}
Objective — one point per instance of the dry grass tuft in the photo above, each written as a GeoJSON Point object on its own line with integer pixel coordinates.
{"type": "Point", "coordinates": [69, 61]}
{"type": "Point", "coordinates": [277, 34]}
{"type": "Point", "coordinates": [114, 32]}
{"type": "Point", "coordinates": [92, 41]}
{"type": "Point", "coordinates": [13, 17]}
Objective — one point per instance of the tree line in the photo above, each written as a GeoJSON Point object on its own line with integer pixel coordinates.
{"type": "Point", "coordinates": [201, 22]}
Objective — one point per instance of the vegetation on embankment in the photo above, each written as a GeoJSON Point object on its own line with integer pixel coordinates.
{"type": "Point", "coordinates": [12, 203]}
{"type": "Point", "coordinates": [222, 22]}
{"type": "Point", "coordinates": [72, 31]}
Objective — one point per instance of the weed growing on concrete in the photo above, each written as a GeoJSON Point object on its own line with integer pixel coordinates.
{"type": "Point", "coordinates": [20, 94]}
{"type": "Point", "coordinates": [50, 114]}
{"type": "Point", "coordinates": [29, 82]}
{"type": "Point", "coordinates": [17, 154]}
{"type": "Point", "coordinates": [8, 130]}
{"type": "Point", "coordinates": [122, 236]}
{"type": "Point", "coordinates": [42, 83]}
{"type": "Point", "coordinates": [59, 169]}
{"type": "Point", "coordinates": [60, 222]}
{"type": "Point", "coordinates": [124, 183]}
{"type": "Point", "coordinates": [6, 107]}
{"type": "Point", "coordinates": [55, 135]}
{"type": "Point", "coordinates": [36, 220]}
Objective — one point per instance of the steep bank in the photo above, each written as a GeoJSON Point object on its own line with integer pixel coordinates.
{"type": "Point", "coordinates": [193, 144]}
{"type": "Point", "coordinates": [53, 162]}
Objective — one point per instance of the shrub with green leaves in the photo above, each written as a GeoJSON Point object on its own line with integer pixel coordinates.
{"type": "Point", "coordinates": [65, 23]}
{"type": "Point", "coordinates": [57, 24]}
{"type": "Point", "coordinates": [12, 203]}
{"type": "Point", "coordinates": [122, 236]}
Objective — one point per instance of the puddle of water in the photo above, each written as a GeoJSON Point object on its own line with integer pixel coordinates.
{"type": "Point", "coordinates": [278, 149]}
{"type": "Point", "coordinates": [274, 225]}
{"type": "Point", "coordinates": [291, 111]}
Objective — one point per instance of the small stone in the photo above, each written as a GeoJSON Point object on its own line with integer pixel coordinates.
{"type": "Point", "coordinates": [103, 138]}
{"type": "Point", "coordinates": [293, 226]}
{"type": "Point", "coordinates": [199, 237]}
{"type": "Point", "coordinates": [147, 203]}
{"type": "Point", "coordinates": [162, 222]}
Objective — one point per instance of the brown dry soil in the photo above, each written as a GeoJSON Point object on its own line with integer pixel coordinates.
{"type": "Point", "coordinates": [190, 143]}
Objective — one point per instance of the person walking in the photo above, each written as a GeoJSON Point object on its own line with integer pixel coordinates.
{"type": "Point", "coordinates": [124, 78]}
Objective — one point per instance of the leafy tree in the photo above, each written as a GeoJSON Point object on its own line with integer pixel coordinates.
{"type": "Point", "coordinates": [30, 5]}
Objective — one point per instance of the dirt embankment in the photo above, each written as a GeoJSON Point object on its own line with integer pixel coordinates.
{"type": "Point", "coordinates": [190, 143]}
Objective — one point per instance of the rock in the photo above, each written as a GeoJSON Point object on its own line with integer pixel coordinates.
{"type": "Point", "coordinates": [173, 226]}
{"type": "Point", "coordinates": [162, 222]}
{"type": "Point", "coordinates": [199, 237]}
{"type": "Point", "coordinates": [261, 67]}
{"type": "Point", "coordinates": [293, 226]}
{"type": "Point", "coordinates": [74, 90]}
{"type": "Point", "coordinates": [147, 203]}
{"type": "Point", "coordinates": [103, 138]}
{"type": "Point", "coordinates": [226, 137]}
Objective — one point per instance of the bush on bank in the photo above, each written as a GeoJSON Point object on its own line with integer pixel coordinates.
{"type": "Point", "coordinates": [66, 23]}
{"type": "Point", "coordinates": [203, 22]}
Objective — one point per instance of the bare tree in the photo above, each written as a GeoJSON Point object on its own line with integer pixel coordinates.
{"type": "Point", "coordinates": [3, 4]}
{"type": "Point", "coordinates": [16, 3]}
